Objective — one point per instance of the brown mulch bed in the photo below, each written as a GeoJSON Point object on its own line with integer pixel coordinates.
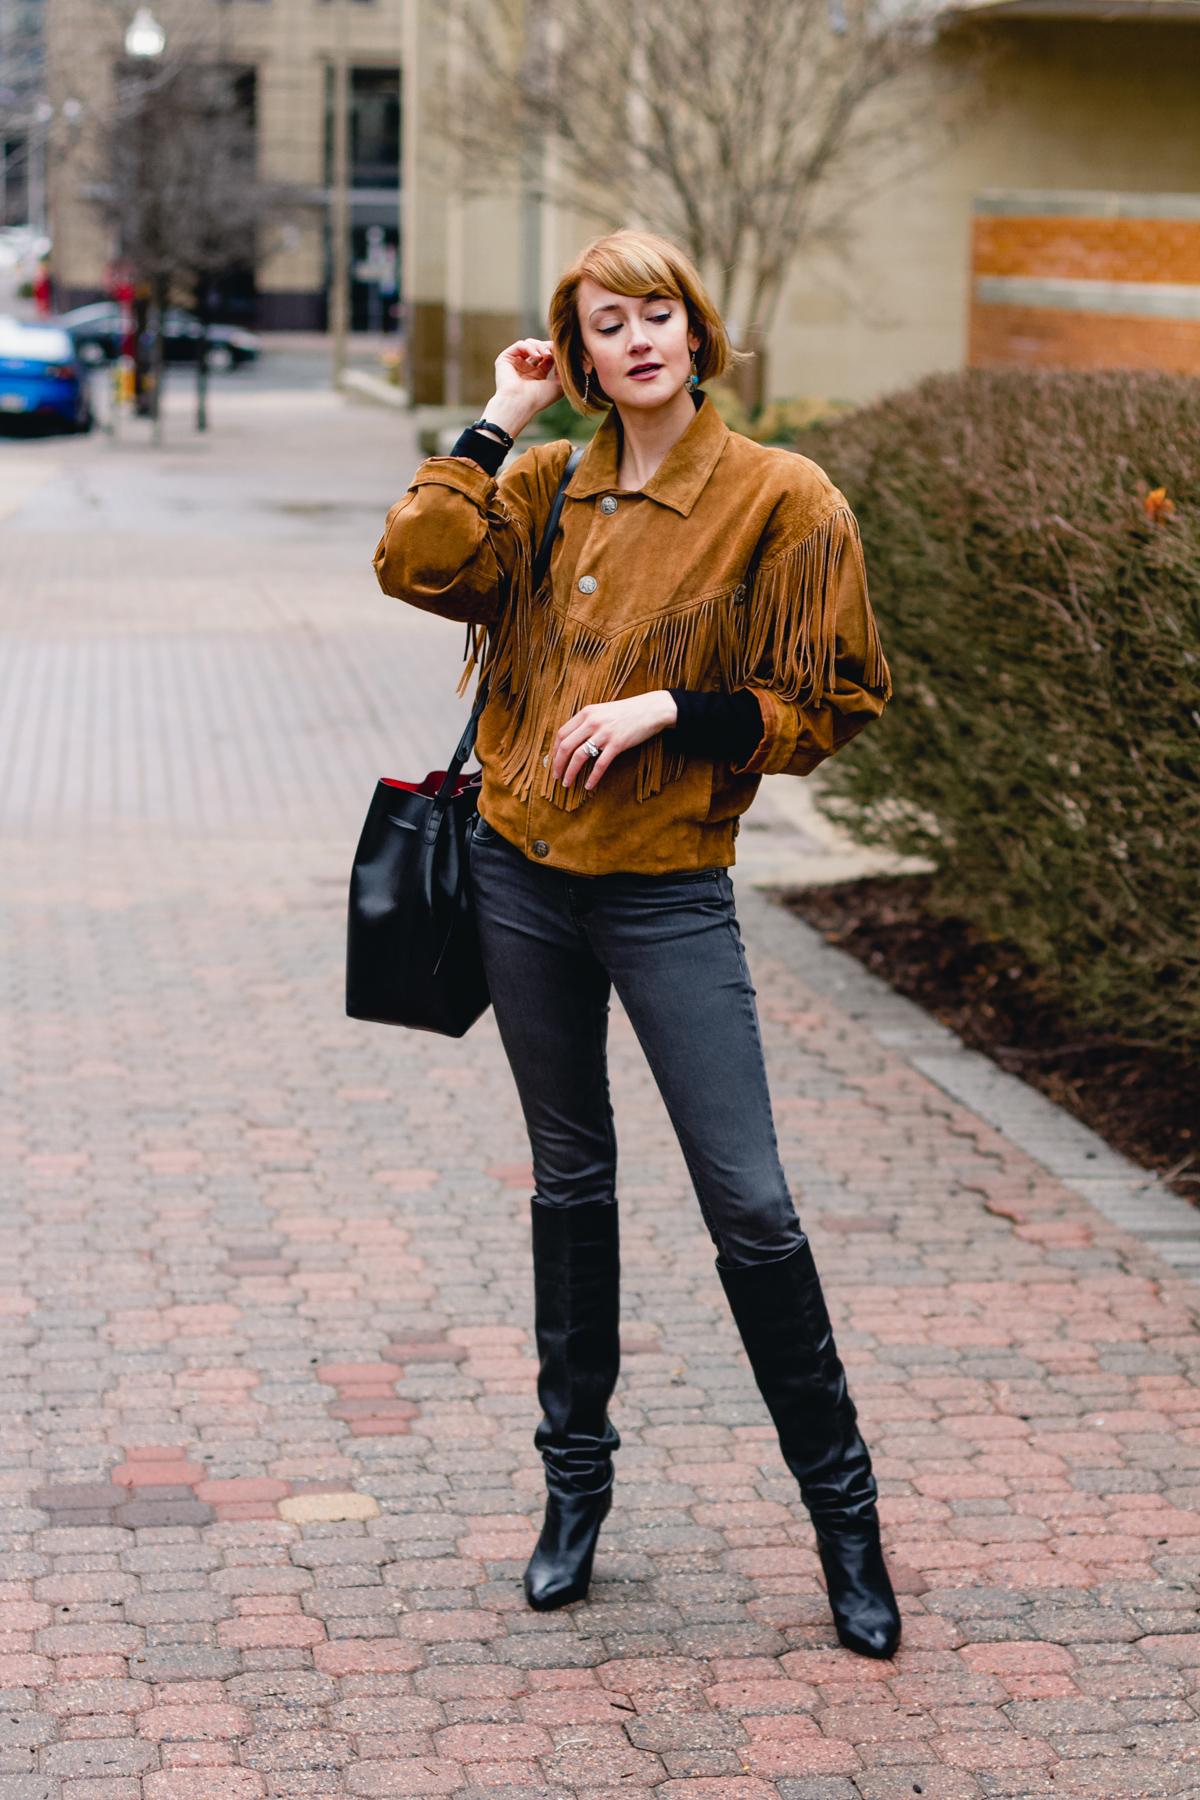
{"type": "Point", "coordinates": [1143, 1101]}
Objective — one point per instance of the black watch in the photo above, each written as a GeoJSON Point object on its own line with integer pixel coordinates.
{"type": "Point", "coordinates": [496, 431]}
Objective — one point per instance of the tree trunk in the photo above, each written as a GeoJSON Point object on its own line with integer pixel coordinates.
{"type": "Point", "coordinates": [749, 378]}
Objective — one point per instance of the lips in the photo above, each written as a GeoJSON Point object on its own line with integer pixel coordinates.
{"type": "Point", "coordinates": [646, 368]}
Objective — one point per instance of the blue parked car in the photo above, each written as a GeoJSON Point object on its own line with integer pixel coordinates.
{"type": "Point", "coordinates": [42, 381]}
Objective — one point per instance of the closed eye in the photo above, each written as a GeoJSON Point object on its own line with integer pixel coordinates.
{"type": "Point", "coordinates": [654, 319]}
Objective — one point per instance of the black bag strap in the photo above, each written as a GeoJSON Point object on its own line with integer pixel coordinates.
{"type": "Point", "coordinates": [541, 561]}
{"type": "Point", "coordinates": [541, 564]}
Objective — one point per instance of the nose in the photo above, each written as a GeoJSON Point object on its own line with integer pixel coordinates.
{"type": "Point", "coordinates": [639, 342]}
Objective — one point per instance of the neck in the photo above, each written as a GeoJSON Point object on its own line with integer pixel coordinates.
{"type": "Point", "coordinates": [648, 436]}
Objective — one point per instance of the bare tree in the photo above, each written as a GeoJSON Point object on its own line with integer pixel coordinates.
{"type": "Point", "coordinates": [22, 123]}
{"type": "Point", "coordinates": [744, 129]}
{"type": "Point", "coordinates": [179, 189]}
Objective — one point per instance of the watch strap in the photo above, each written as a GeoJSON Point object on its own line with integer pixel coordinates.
{"type": "Point", "coordinates": [496, 430]}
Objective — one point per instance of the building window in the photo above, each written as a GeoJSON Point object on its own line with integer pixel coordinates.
{"type": "Point", "coordinates": [14, 181]}
{"type": "Point", "coordinates": [374, 128]}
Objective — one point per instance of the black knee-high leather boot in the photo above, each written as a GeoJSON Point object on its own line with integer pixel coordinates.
{"type": "Point", "coordinates": [780, 1312]}
{"type": "Point", "coordinates": [576, 1273]}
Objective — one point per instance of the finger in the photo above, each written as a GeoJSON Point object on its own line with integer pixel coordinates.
{"type": "Point", "coordinates": [570, 736]}
{"type": "Point", "coordinates": [580, 758]}
{"type": "Point", "coordinates": [521, 365]}
{"type": "Point", "coordinates": [575, 767]}
{"type": "Point", "coordinates": [585, 720]}
{"type": "Point", "coordinates": [598, 767]}
{"type": "Point", "coordinates": [534, 354]}
{"type": "Point", "coordinates": [570, 760]}
{"type": "Point", "coordinates": [536, 349]}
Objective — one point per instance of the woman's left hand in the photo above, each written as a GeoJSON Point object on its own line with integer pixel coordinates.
{"type": "Point", "coordinates": [615, 726]}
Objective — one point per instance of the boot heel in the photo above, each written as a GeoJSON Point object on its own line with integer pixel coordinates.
{"type": "Point", "coordinates": [576, 1276]}
{"type": "Point", "coordinates": [860, 1590]}
{"type": "Point", "coordinates": [781, 1314]}
{"type": "Point", "coordinates": [560, 1569]}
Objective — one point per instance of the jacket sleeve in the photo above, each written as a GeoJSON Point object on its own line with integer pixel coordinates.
{"type": "Point", "coordinates": [451, 545]}
{"type": "Point", "coordinates": [815, 664]}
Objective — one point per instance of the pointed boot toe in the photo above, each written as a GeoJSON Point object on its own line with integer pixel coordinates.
{"type": "Point", "coordinates": [860, 1592]}
{"type": "Point", "coordinates": [560, 1569]}
{"type": "Point", "coordinates": [784, 1322]}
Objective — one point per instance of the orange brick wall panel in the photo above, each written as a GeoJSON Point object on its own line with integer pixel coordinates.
{"type": "Point", "coordinates": [1043, 337]}
{"type": "Point", "coordinates": [1088, 249]}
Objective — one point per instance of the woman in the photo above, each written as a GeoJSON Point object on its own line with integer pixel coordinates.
{"type": "Point", "coordinates": [705, 620]}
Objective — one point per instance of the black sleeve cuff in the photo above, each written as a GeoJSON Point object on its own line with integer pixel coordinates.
{"type": "Point", "coordinates": [481, 449]}
{"type": "Point", "coordinates": [726, 727]}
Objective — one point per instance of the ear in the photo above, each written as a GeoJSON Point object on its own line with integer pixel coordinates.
{"type": "Point", "coordinates": [694, 341]}
{"type": "Point", "coordinates": [586, 363]}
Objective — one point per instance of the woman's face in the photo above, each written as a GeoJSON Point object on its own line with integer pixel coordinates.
{"type": "Point", "coordinates": [638, 350]}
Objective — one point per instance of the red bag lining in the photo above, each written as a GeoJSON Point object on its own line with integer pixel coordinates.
{"type": "Point", "coordinates": [432, 783]}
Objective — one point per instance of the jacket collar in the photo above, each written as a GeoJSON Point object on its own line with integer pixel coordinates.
{"type": "Point", "coordinates": [682, 475]}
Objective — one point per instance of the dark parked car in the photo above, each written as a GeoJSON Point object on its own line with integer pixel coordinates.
{"type": "Point", "coordinates": [97, 333]}
{"type": "Point", "coordinates": [42, 381]}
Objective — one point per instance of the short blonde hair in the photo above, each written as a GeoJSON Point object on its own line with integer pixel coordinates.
{"type": "Point", "coordinates": [640, 265]}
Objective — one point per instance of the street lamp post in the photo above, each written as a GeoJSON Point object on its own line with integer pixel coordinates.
{"type": "Point", "coordinates": [339, 209]}
{"type": "Point", "coordinates": [146, 39]}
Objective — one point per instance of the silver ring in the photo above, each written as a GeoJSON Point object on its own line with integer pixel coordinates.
{"type": "Point", "coordinates": [591, 748]}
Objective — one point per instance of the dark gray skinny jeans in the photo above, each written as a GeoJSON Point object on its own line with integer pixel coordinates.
{"type": "Point", "coordinates": [554, 946]}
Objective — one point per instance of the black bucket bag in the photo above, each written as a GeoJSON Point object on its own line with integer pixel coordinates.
{"type": "Point", "coordinates": [412, 946]}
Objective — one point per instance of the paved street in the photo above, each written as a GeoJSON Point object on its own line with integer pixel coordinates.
{"type": "Point", "coordinates": [267, 1476]}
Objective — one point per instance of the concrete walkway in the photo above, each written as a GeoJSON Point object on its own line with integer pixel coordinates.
{"type": "Point", "coordinates": [267, 1476]}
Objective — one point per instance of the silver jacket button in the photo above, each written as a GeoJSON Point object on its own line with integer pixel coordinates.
{"type": "Point", "coordinates": [588, 584]}
{"type": "Point", "coordinates": [540, 847]}
{"type": "Point", "coordinates": [608, 504]}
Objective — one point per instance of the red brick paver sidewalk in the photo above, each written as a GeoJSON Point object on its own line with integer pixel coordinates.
{"type": "Point", "coordinates": [260, 1261]}
{"type": "Point", "coordinates": [267, 1480]}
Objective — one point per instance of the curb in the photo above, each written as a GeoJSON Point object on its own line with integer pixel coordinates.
{"type": "Point", "coordinates": [1131, 1198]}
{"type": "Point", "coordinates": [374, 388]}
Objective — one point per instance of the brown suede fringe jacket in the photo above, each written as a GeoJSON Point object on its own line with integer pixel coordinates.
{"type": "Point", "coordinates": [734, 567]}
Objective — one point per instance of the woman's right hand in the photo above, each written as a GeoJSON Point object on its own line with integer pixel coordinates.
{"type": "Point", "coordinates": [526, 384]}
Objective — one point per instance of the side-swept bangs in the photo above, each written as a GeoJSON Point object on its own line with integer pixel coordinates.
{"type": "Point", "coordinates": [641, 266]}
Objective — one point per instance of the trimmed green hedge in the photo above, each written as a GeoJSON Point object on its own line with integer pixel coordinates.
{"type": "Point", "coordinates": [1039, 601]}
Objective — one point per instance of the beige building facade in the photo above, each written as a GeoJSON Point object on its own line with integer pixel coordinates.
{"type": "Point", "coordinates": [288, 46]}
{"type": "Point", "coordinates": [1095, 106]}
{"type": "Point", "coordinates": [1064, 98]}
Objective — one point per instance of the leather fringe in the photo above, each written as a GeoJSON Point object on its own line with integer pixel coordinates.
{"type": "Point", "coordinates": [779, 632]}
{"type": "Point", "coordinates": [790, 644]}
{"type": "Point", "coordinates": [519, 600]}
